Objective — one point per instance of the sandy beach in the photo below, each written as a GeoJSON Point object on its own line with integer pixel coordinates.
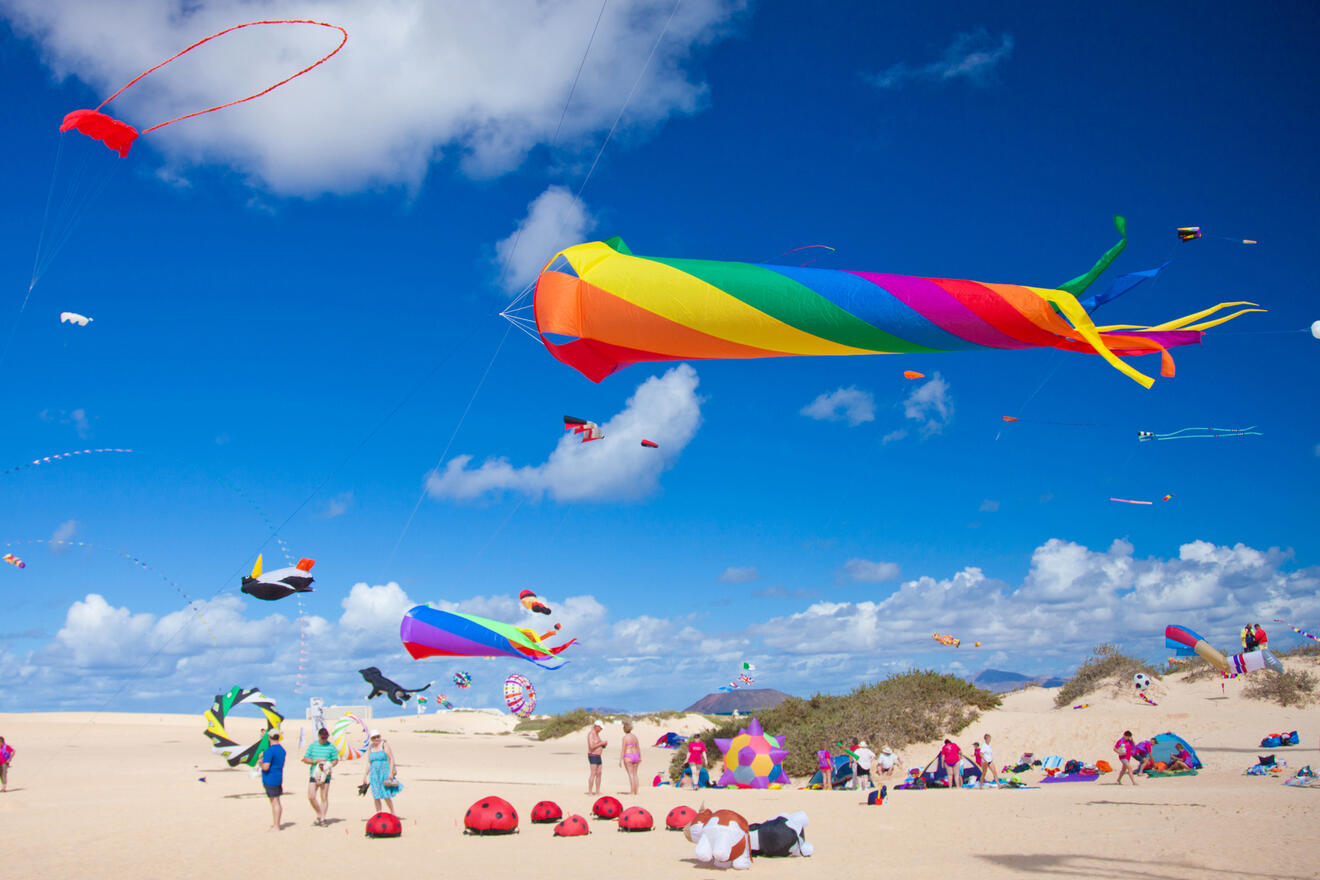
{"type": "Point", "coordinates": [119, 794]}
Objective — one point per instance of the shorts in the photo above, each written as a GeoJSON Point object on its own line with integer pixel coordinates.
{"type": "Point", "coordinates": [864, 774]}
{"type": "Point", "coordinates": [274, 791]}
{"type": "Point", "coordinates": [326, 781]}
{"type": "Point", "coordinates": [593, 759]}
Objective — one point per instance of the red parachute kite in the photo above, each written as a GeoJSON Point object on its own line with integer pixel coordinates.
{"type": "Point", "coordinates": [119, 136]}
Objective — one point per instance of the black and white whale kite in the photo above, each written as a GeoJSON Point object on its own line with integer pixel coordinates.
{"type": "Point", "coordinates": [279, 583]}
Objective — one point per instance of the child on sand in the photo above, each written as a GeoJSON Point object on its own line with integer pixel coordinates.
{"type": "Point", "coordinates": [6, 755]}
{"type": "Point", "coordinates": [1125, 748]}
{"type": "Point", "coordinates": [825, 763]}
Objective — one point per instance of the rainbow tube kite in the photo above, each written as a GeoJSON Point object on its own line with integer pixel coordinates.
{"type": "Point", "coordinates": [1184, 643]}
{"type": "Point", "coordinates": [427, 631]}
{"type": "Point", "coordinates": [618, 309]}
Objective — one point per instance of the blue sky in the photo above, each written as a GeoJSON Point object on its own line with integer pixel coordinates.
{"type": "Point", "coordinates": [296, 300]}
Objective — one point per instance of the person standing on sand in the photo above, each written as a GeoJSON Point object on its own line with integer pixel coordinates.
{"type": "Point", "coordinates": [322, 756]}
{"type": "Point", "coordinates": [595, 745]}
{"type": "Point", "coordinates": [988, 762]}
{"type": "Point", "coordinates": [951, 755]}
{"type": "Point", "coordinates": [696, 761]}
{"type": "Point", "coordinates": [865, 758]}
{"type": "Point", "coordinates": [6, 756]}
{"type": "Point", "coordinates": [379, 775]}
{"type": "Point", "coordinates": [1125, 748]}
{"type": "Point", "coordinates": [630, 758]}
{"type": "Point", "coordinates": [272, 777]}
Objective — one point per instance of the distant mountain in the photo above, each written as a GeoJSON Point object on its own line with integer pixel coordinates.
{"type": "Point", "coordinates": [741, 700]}
{"type": "Point", "coordinates": [998, 681]}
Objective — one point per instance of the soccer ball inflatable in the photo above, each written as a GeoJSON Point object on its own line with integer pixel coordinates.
{"type": "Point", "coordinates": [1141, 680]}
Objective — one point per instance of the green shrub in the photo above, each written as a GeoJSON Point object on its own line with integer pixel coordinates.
{"type": "Point", "coordinates": [904, 708]}
{"type": "Point", "coordinates": [1104, 663]}
{"type": "Point", "coordinates": [1293, 687]}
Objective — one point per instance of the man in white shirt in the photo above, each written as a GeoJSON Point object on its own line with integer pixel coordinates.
{"type": "Point", "coordinates": [988, 762]}
{"type": "Point", "coordinates": [886, 761]}
{"type": "Point", "coordinates": [865, 757]}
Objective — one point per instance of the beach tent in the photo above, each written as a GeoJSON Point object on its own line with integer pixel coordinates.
{"type": "Point", "coordinates": [1164, 745]}
{"type": "Point", "coordinates": [935, 774]}
{"type": "Point", "coordinates": [842, 773]}
{"type": "Point", "coordinates": [670, 740]}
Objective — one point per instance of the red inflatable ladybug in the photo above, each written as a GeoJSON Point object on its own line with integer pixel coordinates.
{"type": "Point", "coordinates": [545, 812]}
{"type": "Point", "coordinates": [679, 818]}
{"type": "Point", "coordinates": [636, 819]}
{"type": "Point", "coordinates": [491, 815]}
{"type": "Point", "coordinates": [573, 826]}
{"type": "Point", "coordinates": [606, 808]}
{"type": "Point", "coordinates": [384, 825]}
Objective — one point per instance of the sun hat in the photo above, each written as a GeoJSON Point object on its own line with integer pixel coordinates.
{"type": "Point", "coordinates": [887, 750]}
{"type": "Point", "coordinates": [375, 733]}
{"type": "Point", "coordinates": [598, 723]}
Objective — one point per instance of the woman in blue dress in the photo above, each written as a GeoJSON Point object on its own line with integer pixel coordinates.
{"type": "Point", "coordinates": [380, 772]}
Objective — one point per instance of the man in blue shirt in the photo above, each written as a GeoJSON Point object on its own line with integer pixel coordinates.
{"type": "Point", "coordinates": [272, 776]}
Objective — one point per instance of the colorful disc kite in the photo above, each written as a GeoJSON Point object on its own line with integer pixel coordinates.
{"type": "Point", "coordinates": [344, 736]}
{"type": "Point", "coordinates": [462, 680]}
{"type": "Point", "coordinates": [519, 695]}
{"type": "Point", "coordinates": [221, 742]}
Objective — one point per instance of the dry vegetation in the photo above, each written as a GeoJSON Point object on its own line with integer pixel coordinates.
{"type": "Point", "coordinates": [902, 709]}
{"type": "Point", "coordinates": [1106, 662]}
{"type": "Point", "coordinates": [1292, 687]}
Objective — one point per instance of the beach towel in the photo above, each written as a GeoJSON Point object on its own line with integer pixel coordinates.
{"type": "Point", "coordinates": [1159, 773]}
{"type": "Point", "coordinates": [1073, 777]}
{"type": "Point", "coordinates": [1305, 778]}
{"type": "Point", "coordinates": [1052, 765]}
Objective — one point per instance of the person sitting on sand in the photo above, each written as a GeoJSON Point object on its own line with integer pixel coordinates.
{"type": "Point", "coordinates": [1125, 748]}
{"type": "Point", "coordinates": [595, 745]}
{"type": "Point", "coordinates": [951, 758]}
{"type": "Point", "coordinates": [631, 756]}
{"type": "Point", "coordinates": [1180, 760]}
{"type": "Point", "coordinates": [272, 777]}
{"type": "Point", "coordinates": [886, 761]}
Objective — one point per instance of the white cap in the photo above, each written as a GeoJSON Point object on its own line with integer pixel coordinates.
{"type": "Point", "coordinates": [863, 745]}
{"type": "Point", "coordinates": [598, 723]}
{"type": "Point", "coordinates": [375, 733]}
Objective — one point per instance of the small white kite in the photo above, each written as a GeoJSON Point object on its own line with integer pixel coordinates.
{"type": "Point", "coordinates": [74, 318]}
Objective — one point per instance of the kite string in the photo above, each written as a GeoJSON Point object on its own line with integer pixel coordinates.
{"type": "Point", "coordinates": [444, 454]}
{"type": "Point", "coordinates": [240, 100]}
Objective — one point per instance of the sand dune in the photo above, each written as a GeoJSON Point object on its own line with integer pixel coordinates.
{"type": "Point", "coordinates": [119, 795]}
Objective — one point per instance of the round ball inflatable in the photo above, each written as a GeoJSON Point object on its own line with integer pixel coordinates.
{"type": "Point", "coordinates": [545, 812]}
{"type": "Point", "coordinates": [491, 815]}
{"type": "Point", "coordinates": [384, 825]}
{"type": "Point", "coordinates": [636, 819]}
{"type": "Point", "coordinates": [1141, 680]}
{"type": "Point", "coordinates": [606, 808]}
{"type": "Point", "coordinates": [679, 818]}
{"type": "Point", "coordinates": [573, 826]}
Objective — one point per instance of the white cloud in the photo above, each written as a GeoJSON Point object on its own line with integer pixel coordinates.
{"type": "Point", "coordinates": [989, 505]}
{"type": "Point", "coordinates": [77, 419]}
{"type": "Point", "coordinates": [338, 506]}
{"type": "Point", "coordinates": [893, 436]}
{"type": "Point", "coordinates": [736, 575]}
{"type": "Point", "coordinates": [482, 84]}
{"type": "Point", "coordinates": [63, 532]}
{"type": "Point", "coordinates": [1071, 599]}
{"type": "Point", "coordinates": [866, 571]}
{"type": "Point", "coordinates": [555, 220]}
{"type": "Point", "coordinates": [930, 406]}
{"type": "Point", "coordinates": [972, 56]}
{"type": "Point", "coordinates": [665, 409]}
{"type": "Point", "coordinates": [846, 404]}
